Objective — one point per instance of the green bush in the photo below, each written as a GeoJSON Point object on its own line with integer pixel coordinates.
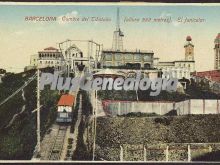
{"type": "Point", "coordinates": [70, 140]}
{"type": "Point", "coordinates": [69, 146]}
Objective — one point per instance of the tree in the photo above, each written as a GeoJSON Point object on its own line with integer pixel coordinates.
{"type": "Point", "coordinates": [2, 71]}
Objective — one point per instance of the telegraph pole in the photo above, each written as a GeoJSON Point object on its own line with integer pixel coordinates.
{"type": "Point", "coordinates": [38, 112]}
{"type": "Point", "coordinates": [89, 55]}
{"type": "Point", "coordinates": [95, 122]}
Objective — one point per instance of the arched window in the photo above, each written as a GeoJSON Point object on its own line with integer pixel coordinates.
{"type": "Point", "coordinates": [118, 57]}
{"type": "Point", "coordinates": [146, 66]}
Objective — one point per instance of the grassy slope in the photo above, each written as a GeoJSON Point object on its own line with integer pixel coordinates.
{"type": "Point", "coordinates": [193, 128]}
{"type": "Point", "coordinates": [139, 131]}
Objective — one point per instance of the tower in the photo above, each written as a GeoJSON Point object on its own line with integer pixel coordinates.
{"type": "Point", "coordinates": [189, 49]}
{"type": "Point", "coordinates": [118, 35]}
{"type": "Point", "coordinates": [217, 52]}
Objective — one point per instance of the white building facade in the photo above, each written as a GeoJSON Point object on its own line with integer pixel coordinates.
{"type": "Point", "coordinates": [217, 52]}
{"type": "Point", "coordinates": [179, 68]}
{"type": "Point", "coordinates": [52, 57]}
{"type": "Point", "coordinates": [49, 57]}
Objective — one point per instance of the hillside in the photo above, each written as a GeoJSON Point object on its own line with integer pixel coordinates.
{"type": "Point", "coordinates": [157, 131]}
{"type": "Point", "coordinates": [18, 136]}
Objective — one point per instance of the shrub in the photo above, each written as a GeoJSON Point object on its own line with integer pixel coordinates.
{"type": "Point", "coordinates": [70, 140]}
{"type": "Point", "coordinates": [69, 146]}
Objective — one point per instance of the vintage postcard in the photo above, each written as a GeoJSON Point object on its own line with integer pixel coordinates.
{"type": "Point", "coordinates": [109, 82]}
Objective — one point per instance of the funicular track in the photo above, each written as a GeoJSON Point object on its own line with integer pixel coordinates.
{"type": "Point", "coordinates": [57, 147]}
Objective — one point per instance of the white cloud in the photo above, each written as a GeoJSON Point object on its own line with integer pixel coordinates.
{"type": "Point", "coordinates": [67, 15]}
{"type": "Point", "coordinates": [176, 23]}
{"type": "Point", "coordinates": [165, 14]}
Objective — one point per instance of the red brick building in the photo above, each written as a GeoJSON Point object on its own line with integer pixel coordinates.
{"type": "Point", "coordinates": [212, 75]}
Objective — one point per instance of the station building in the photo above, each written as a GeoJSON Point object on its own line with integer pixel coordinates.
{"type": "Point", "coordinates": [116, 59]}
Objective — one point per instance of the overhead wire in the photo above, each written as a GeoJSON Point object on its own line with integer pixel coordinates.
{"type": "Point", "coordinates": [19, 89]}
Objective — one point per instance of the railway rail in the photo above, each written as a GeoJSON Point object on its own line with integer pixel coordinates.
{"type": "Point", "coordinates": [58, 143]}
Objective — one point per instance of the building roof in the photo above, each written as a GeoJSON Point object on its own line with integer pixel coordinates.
{"type": "Point", "coordinates": [170, 62]}
{"type": "Point", "coordinates": [184, 61]}
{"type": "Point", "coordinates": [213, 75]}
{"type": "Point", "coordinates": [137, 51]}
{"type": "Point", "coordinates": [166, 63]}
{"type": "Point", "coordinates": [188, 38]}
{"type": "Point", "coordinates": [66, 100]}
{"type": "Point", "coordinates": [50, 48]}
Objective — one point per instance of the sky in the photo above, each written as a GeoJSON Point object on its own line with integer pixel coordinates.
{"type": "Point", "coordinates": [19, 38]}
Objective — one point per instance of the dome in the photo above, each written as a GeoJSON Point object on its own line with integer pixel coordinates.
{"type": "Point", "coordinates": [218, 36]}
{"type": "Point", "coordinates": [188, 38]}
{"type": "Point", "coordinates": [217, 39]}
